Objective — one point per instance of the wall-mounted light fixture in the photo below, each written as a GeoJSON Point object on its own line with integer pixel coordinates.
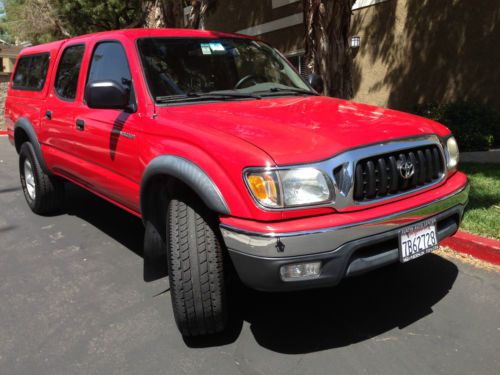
{"type": "Point", "coordinates": [355, 41]}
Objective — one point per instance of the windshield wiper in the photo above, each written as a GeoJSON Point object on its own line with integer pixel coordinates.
{"type": "Point", "coordinates": [232, 94]}
{"type": "Point", "coordinates": [288, 90]}
{"type": "Point", "coordinates": [202, 96]}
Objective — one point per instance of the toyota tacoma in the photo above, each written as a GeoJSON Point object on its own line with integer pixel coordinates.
{"type": "Point", "coordinates": [232, 160]}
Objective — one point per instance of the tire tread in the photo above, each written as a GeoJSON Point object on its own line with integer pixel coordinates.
{"type": "Point", "coordinates": [196, 269]}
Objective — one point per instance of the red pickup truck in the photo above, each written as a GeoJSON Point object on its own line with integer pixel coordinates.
{"type": "Point", "coordinates": [232, 160]}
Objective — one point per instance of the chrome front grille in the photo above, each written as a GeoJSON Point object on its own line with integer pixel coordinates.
{"type": "Point", "coordinates": [399, 172]}
{"type": "Point", "coordinates": [370, 174]}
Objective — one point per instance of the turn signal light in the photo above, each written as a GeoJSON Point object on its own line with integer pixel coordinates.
{"type": "Point", "coordinates": [264, 188]}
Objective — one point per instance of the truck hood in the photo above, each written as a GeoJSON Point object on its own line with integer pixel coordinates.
{"type": "Point", "coordinates": [303, 129]}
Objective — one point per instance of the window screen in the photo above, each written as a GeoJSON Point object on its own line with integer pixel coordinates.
{"type": "Point", "coordinates": [68, 71]}
{"type": "Point", "coordinates": [31, 72]}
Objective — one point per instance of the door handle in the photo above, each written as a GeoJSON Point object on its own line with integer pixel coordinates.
{"type": "Point", "coordinates": [80, 125]}
{"type": "Point", "coordinates": [48, 114]}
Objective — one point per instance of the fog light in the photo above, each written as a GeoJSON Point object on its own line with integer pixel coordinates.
{"type": "Point", "coordinates": [300, 271]}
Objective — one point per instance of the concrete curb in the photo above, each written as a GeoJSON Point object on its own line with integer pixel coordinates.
{"type": "Point", "coordinates": [479, 247]}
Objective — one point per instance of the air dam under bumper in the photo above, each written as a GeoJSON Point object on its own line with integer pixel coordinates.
{"type": "Point", "coordinates": [354, 249]}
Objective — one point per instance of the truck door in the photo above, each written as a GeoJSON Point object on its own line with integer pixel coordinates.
{"type": "Point", "coordinates": [107, 139]}
{"type": "Point", "coordinates": [58, 112]}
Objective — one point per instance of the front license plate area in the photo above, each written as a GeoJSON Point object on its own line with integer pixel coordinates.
{"type": "Point", "coordinates": [417, 239]}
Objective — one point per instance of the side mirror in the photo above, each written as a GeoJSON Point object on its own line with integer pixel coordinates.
{"type": "Point", "coordinates": [316, 82]}
{"type": "Point", "coordinates": [107, 95]}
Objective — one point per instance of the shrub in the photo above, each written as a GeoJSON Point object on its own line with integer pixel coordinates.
{"type": "Point", "coordinates": [475, 126]}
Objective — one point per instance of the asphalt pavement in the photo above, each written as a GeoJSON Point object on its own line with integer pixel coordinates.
{"type": "Point", "coordinates": [74, 300]}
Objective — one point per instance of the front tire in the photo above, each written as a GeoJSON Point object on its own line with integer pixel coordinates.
{"type": "Point", "coordinates": [196, 269]}
{"type": "Point", "coordinates": [44, 194]}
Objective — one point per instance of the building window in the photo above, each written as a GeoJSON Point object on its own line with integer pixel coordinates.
{"type": "Point", "coordinates": [298, 62]}
{"type": "Point", "coordinates": [365, 3]}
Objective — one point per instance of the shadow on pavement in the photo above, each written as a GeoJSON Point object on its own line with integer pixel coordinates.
{"type": "Point", "coordinates": [122, 226]}
{"type": "Point", "coordinates": [354, 311]}
{"type": "Point", "coordinates": [299, 322]}
{"type": "Point", "coordinates": [7, 228]}
{"type": "Point", "coordinates": [10, 190]}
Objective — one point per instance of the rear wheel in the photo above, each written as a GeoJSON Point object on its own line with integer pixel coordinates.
{"type": "Point", "coordinates": [196, 270]}
{"type": "Point", "coordinates": [44, 194]}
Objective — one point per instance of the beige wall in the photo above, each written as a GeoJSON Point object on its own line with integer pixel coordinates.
{"type": "Point", "coordinates": [235, 15]}
{"type": "Point", "coordinates": [412, 51]}
{"type": "Point", "coordinates": [421, 51]}
{"type": "Point", "coordinates": [8, 64]}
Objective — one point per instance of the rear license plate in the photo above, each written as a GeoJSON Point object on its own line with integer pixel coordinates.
{"type": "Point", "coordinates": [417, 239]}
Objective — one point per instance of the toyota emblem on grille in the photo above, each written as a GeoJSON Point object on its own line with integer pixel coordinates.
{"type": "Point", "coordinates": [406, 169]}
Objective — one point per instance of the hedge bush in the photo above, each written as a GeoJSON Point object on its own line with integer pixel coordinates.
{"type": "Point", "coordinates": [475, 126]}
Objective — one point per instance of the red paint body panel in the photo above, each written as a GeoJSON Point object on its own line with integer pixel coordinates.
{"type": "Point", "coordinates": [305, 129]}
{"type": "Point", "coordinates": [221, 138]}
{"type": "Point", "coordinates": [25, 103]}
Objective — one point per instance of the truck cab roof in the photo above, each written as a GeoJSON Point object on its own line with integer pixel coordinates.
{"type": "Point", "coordinates": [133, 34]}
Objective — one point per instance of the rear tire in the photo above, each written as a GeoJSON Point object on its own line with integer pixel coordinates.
{"type": "Point", "coordinates": [44, 194]}
{"type": "Point", "coordinates": [196, 269]}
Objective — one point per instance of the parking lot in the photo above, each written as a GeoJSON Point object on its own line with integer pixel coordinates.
{"type": "Point", "coordinates": [74, 300]}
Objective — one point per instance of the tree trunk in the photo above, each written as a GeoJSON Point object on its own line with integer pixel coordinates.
{"type": "Point", "coordinates": [55, 20]}
{"type": "Point", "coordinates": [199, 10]}
{"type": "Point", "coordinates": [328, 52]}
{"type": "Point", "coordinates": [160, 13]}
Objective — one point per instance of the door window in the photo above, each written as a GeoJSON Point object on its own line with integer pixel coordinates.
{"type": "Point", "coordinates": [68, 72]}
{"type": "Point", "coordinates": [109, 63]}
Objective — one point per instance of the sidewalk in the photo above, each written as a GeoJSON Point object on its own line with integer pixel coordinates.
{"type": "Point", "coordinates": [491, 156]}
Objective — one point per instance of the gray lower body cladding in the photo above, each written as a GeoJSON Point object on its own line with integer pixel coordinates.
{"type": "Point", "coordinates": [343, 251]}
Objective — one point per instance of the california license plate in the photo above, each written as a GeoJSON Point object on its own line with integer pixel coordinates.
{"type": "Point", "coordinates": [417, 239]}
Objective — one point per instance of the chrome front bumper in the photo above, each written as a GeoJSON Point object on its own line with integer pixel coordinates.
{"type": "Point", "coordinates": [257, 257]}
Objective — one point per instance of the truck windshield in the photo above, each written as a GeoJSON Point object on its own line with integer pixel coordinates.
{"type": "Point", "coordinates": [216, 69]}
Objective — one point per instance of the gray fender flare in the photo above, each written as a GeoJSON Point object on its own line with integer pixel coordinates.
{"type": "Point", "coordinates": [24, 124]}
{"type": "Point", "coordinates": [190, 174]}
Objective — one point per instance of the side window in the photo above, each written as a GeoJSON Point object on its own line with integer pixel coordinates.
{"type": "Point", "coordinates": [21, 74]}
{"type": "Point", "coordinates": [109, 63]}
{"type": "Point", "coordinates": [31, 72]}
{"type": "Point", "coordinates": [68, 71]}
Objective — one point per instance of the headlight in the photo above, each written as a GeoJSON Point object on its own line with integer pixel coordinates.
{"type": "Point", "coordinates": [452, 151]}
{"type": "Point", "coordinates": [289, 187]}
{"type": "Point", "coordinates": [304, 186]}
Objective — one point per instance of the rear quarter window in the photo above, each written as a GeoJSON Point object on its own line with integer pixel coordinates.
{"type": "Point", "coordinates": [31, 72]}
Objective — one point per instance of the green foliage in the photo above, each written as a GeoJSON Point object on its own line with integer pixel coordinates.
{"type": "Point", "coordinates": [475, 126]}
{"type": "Point", "coordinates": [86, 16]}
{"type": "Point", "coordinates": [28, 20]}
{"type": "Point", "coordinates": [482, 215]}
{"type": "Point", "coordinates": [39, 21]}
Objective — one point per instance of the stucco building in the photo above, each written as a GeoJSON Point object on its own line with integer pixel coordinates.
{"type": "Point", "coordinates": [410, 51]}
{"type": "Point", "coordinates": [8, 55]}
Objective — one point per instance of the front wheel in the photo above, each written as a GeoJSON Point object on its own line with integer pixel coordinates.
{"type": "Point", "coordinates": [44, 194]}
{"type": "Point", "coordinates": [196, 270]}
